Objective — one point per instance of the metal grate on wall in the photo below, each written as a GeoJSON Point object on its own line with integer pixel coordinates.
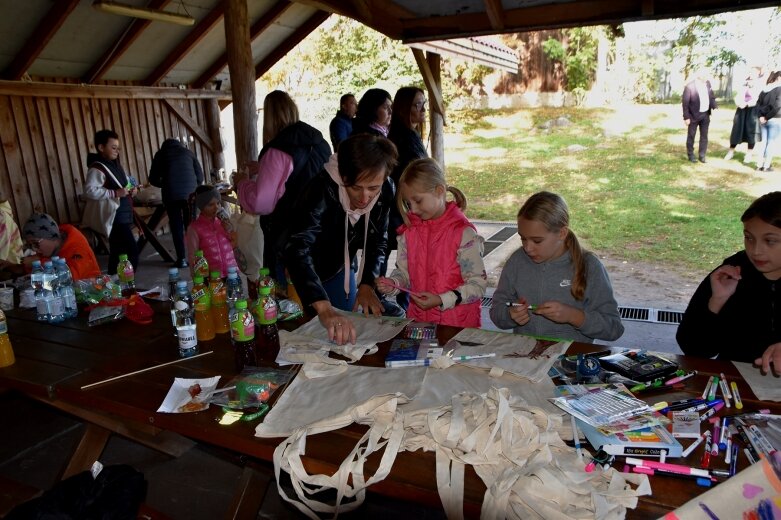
{"type": "Point", "coordinates": [646, 314]}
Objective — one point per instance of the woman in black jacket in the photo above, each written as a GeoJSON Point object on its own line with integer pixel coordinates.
{"type": "Point", "coordinates": [735, 313]}
{"type": "Point", "coordinates": [341, 210]}
{"type": "Point", "coordinates": [176, 170]}
{"type": "Point", "coordinates": [769, 111]}
{"type": "Point", "coordinates": [409, 115]}
{"type": "Point", "coordinates": [374, 113]}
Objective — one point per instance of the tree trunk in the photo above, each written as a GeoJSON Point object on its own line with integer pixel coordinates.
{"type": "Point", "coordinates": [437, 120]}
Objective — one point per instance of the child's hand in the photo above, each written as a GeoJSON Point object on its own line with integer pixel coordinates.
{"type": "Point", "coordinates": [560, 313]}
{"type": "Point", "coordinates": [771, 355]}
{"type": "Point", "coordinates": [520, 313]}
{"type": "Point", "coordinates": [426, 300]}
{"type": "Point", "coordinates": [724, 281]}
{"type": "Point", "coordinates": [384, 285]}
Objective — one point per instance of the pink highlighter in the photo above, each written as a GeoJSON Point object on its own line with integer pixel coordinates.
{"type": "Point", "coordinates": [400, 288]}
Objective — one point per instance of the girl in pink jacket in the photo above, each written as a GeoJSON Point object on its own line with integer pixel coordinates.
{"type": "Point", "coordinates": [439, 259]}
{"type": "Point", "coordinates": [211, 233]}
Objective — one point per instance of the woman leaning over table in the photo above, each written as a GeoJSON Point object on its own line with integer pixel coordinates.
{"type": "Point", "coordinates": [735, 313]}
{"type": "Point", "coordinates": [341, 210]}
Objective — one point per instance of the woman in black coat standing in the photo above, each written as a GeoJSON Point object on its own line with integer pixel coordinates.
{"type": "Point", "coordinates": [177, 171]}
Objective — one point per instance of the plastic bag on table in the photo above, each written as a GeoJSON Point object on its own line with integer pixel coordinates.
{"type": "Point", "coordinates": [289, 310]}
{"type": "Point", "coordinates": [104, 314]}
{"type": "Point", "coordinates": [252, 387]}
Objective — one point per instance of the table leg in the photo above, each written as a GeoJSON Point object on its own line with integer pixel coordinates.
{"type": "Point", "coordinates": [249, 494]}
{"type": "Point", "coordinates": [148, 230]}
{"type": "Point", "coordinates": [88, 451]}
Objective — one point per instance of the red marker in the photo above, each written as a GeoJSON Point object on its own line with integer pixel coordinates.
{"type": "Point", "coordinates": [705, 462]}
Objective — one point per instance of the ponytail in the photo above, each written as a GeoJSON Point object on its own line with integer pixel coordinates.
{"type": "Point", "coordinates": [578, 256]}
{"type": "Point", "coordinates": [458, 197]}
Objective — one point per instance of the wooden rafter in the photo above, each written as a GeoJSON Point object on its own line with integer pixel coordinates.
{"type": "Point", "coordinates": [133, 31]}
{"type": "Point", "coordinates": [67, 90]}
{"type": "Point", "coordinates": [196, 34]}
{"type": "Point", "coordinates": [437, 103]}
{"type": "Point", "coordinates": [190, 123]}
{"type": "Point", "coordinates": [279, 52]}
{"type": "Point", "coordinates": [39, 38]}
{"type": "Point", "coordinates": [495, 12]}
{"type": "Point", "coordinates": [381, 15]}
{"type": "Point", "coordinates": [263, 23]}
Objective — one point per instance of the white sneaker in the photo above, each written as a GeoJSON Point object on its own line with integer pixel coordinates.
{"type": "Point", "coordinates": [729, 155]}
{"type": "Point", "coordinates": [748, 158]}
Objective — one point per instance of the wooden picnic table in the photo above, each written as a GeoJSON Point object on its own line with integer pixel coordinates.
{"type": "Point", "coordinates": [54, 362]}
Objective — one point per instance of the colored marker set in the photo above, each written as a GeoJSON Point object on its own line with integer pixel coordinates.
{"type": "Point", "coordinates": [716, 383]}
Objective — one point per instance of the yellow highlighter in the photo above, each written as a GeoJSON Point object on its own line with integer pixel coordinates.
{"type": "Point", "coordinates": [736, 395]}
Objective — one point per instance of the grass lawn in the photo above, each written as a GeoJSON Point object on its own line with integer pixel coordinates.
{"type": "Point", "coordinates": [631, 191]}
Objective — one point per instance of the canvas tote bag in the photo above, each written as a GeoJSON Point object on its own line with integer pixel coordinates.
{"type": "Point", "coordinates": [515, 449]}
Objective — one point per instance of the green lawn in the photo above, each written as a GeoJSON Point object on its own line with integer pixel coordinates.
{"type": "Point", "coordinates": [631, 192]}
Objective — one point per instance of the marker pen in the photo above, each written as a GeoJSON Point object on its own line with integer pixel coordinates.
{"type": "Point", "coordinates": [764, 444]}
{"type": "Point", "coordinates": [722, 439]}
{"type": "Point", "coordinates": [715, 444]}
{"type": "Point", "coordinates": [713, 388]}
{"type": "Point", "coordinates": [736, 395]}
{"type": "Point", "coordinates": [678, 379]}
{"type": "Point", "coordinates": [710, 413]}
{"type": "Point", "coordinates": [726, 384]}
{"type": "Point", "coordinates": [707, 388]}
{"type": "Point", "coordinates": [701, 481]}
{"type": "Point", "coordinates": [724, 390]}
{"type": "Point", "coordinates": [734, 462]}
{"type": "Point", "coordinates": [674, 468]}
{"type": "Point", "coordinates": [694, 445]}
{"type": "Point", "coordinates": [705, 461]}
{"type": "Point", "coordinates": [728, 451]}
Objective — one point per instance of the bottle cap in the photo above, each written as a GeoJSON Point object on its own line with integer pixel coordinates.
{"type": "Point", "coordinates": [197, 279]}
{"type": "Point", "coordinates": [241, 304]}
{"type": "Point", "coordinates": [265, 290]}
{"type": "Point", "coordinates": [47, 264]}
{"type": "Point", "coordinates": [264, 271]}
{"type": "Point", "coordinates": [173, 271]}
{"type": "Point", "coordinates": [215, 274]}
{"type": "Point", "coordinates": [36, 262]}
{"type": "Point", "coordinates": [122, 257]}
{"type": "Point", "coordinates": [199, 252]}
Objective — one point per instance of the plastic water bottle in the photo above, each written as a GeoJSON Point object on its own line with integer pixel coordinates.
{"type": "Point", "coordinates": [235, 292]}
{"type": "Point", "coordinates": [126, 275]}
{"type": "Point", "coordinates": [36, 280]}
{"type": "Point", "coordinates": [185, 324]}
{"type": "Point", "coordinates": [66, 288]}
{"type": "Point", "coordinates": [51, 294]}
{"type": "Point", "coordinates": [6, 351]}
{"type": "Point", "coordinates": [173, 278]}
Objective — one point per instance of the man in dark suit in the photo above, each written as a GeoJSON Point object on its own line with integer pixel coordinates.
{"type": "Point", "coordinates": [698, 102]}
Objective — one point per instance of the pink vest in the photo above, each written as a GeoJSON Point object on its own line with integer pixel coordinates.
{"type": "Point", "coordinates": [216, 244]}
{"type": "Point", "coordinates": [432, 262]}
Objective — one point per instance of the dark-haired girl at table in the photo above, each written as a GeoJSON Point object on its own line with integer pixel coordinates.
{"type": "Point", "coordinates": [557, 289]}
{"type": "Point", "coordinates": [735, 313]}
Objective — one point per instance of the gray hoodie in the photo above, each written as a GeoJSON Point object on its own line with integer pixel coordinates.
{"type": "Point", "coordinates": [551, 281]}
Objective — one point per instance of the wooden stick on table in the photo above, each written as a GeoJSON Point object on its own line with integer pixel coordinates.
{"type": "Point", "coordinates": [144, 370]}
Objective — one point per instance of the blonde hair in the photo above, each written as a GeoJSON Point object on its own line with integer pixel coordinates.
{"type": "Point", "coordinates": [551, 210]}
{"type": "Point", "coordinates": [279, 112]}
{"type": "Point", "coordinates": [427, 174]}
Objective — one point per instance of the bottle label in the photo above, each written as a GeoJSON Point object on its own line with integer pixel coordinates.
{"type": "Point", "coordinates": [201, 267]}
{"type": "Point", "coordinates": [270, 314]}
{"type": "Point", "coordinates": [202, 299]}
{"type": "Point", "coordinates": [243, 326]}
{"type": "Point", "coordinates": [217, 287]}
{"type": "Point", "coordinates": [187, 337]}
{"type": "Point", "coordinates": [70, 301]}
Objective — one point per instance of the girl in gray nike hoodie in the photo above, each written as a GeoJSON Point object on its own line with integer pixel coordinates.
{"type": "Point", "coordinates": [551, 287]}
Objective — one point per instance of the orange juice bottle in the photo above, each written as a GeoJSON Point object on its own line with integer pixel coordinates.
{"type": "Point", "coordinates": [219, 295]}
{"type": "Point", "coordinates": [6, 352]}
{"type": "Point", "coordinates": [204, 324]}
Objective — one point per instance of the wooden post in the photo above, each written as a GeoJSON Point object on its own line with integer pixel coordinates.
{"type": "Point", "coordinates": [213, 124]}
{"type": "Point", "coordinates": [437, 119]}
{"type": "Point", "coordinates": [242, 73]}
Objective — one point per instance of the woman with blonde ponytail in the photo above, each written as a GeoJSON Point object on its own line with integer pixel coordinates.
{"type": "Point", "coordinates": [439, 260]}
{"type": "Point", "coordinates": [551, 286]}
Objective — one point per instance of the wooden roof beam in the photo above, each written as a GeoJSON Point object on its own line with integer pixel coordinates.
{"type": "Point", "coordinates": [133, 31]}
{"type": "Point", "coordinates": [495, 12]}
{"type": "Point", "coordinates": [197, 33]}
{"type": "Point", "coordinates": [72, 90]}
{"type": "Point", "coordinates": [381, 15]}
{"type": "Point", "coordinates": [290, 42]}
{"type": "Point", "coordinates": [39, 38]}
{"type": "Point", "coordinates": [263, 23]}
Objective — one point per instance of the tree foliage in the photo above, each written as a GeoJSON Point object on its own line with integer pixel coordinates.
{"type": "Point", "coordinates": [577, 55]}
{"type": "Point", "coordinates": [696, 42]}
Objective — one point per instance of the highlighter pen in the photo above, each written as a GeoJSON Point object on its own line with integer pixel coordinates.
{"type": "Point", "coordinates": [736, 395]}
{"type": "Point", "coordinates": [475, 356]}
{"type": "Point", "coordinates": [701, 481]}
{"type": "Point", "coordinates": [694, 445]}
{"type": "Point", "coordinates": [715, 444]}
{"type": "Point", "coordinates": [724, 390]}
{"type": "Point", "coordinates": [680, 378]}
{"type": "Point", "coordinates": [713, 388]}
{"type": "Point", "coordinates": [675, 468]}
{"type": "Point", "coordinates": [642, 386]}
{"type": "Point", "coordinates": [707, 388]}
